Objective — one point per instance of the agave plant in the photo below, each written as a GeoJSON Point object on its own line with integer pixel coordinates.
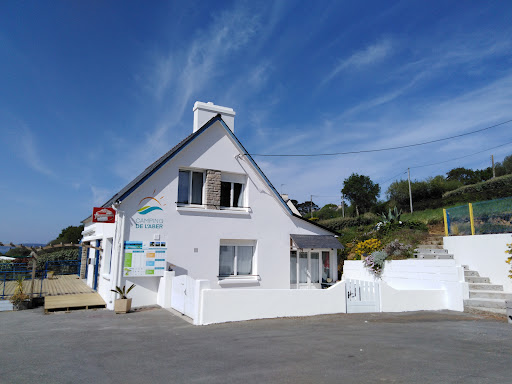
{"type": "Point", "coordinates": [123, 292]}
{"type": "Point", "coordinates": [392, 216]}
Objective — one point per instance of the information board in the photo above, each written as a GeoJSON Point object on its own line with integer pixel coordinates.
{"type": "Point", "coordinates": [144, 258]}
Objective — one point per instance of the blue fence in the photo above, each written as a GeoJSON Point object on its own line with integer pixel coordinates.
{"type": "Point", "coordinates": [13, 271]}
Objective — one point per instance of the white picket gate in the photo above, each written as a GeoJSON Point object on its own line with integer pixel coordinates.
{"type": "Point", "coordinates": [362, 296]}
{"type": "Point", "coordinates": [183, 295]}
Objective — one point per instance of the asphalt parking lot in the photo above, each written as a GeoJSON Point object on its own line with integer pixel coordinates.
{"type": "Point", "coordinates": [155, 346]}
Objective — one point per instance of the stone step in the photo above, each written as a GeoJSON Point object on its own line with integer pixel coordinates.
{"type": "Point", "coordinates": [437, 251]}
{"type": "Point", "coordinates": [501, 311]}
{"type": "Point", "coordinates": [477, 280]}
{"type": "Point", "coordinates": [481, 294]}
{"type": "Point", "coordinates": [485, 287]}
{"type": "Point", "coordinates": [471, 273]}
{"type": "Point", "coordinates": [429, 246]}
{"type": "Point", "coordinates": [433, 256]}
{"type": "Point", "coordinates": [485, 303]}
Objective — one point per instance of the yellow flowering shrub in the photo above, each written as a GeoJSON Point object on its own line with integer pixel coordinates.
{"type": "Point", "coordinates": [509, 260]}
{"type": "Point", "coordinates": [367, 246]}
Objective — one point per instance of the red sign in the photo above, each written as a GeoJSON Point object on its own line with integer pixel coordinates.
{"type": "Point", "coordinates": [103, 215]}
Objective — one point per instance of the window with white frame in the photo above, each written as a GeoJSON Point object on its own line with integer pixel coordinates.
{"type": "Point", "coordinates": [232, 190]}
{"type": "Point", "coordinates": [190, 187]}
{"type": "Point", "coordinates": [236, 260]}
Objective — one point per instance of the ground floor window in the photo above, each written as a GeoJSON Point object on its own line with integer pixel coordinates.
{"type": "Point", "coordinates": [236, 260]}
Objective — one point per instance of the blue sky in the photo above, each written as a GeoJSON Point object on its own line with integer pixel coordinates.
{"type": "Point", "coordinates": [92, 92]}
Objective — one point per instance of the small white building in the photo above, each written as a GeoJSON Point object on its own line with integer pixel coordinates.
{"type": "Point", "coordinates": [206, 210]}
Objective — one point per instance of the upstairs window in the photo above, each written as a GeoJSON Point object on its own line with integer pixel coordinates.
{"type": "Point", "coordinates": [231, 194]}
{"type": "Point", "coordinates": [190, 187]}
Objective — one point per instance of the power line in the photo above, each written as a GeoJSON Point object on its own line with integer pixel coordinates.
{"type": "Point", "coordinates": [380, 149]}
{"type": "Point", "coordinates": [445, 161]}
{"type": "Point", "coordinates": [457, 158]}
{"type": "Point", "coordinates": [401, 173]}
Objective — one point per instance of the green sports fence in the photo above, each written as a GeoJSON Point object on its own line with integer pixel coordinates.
{"type": "Point", "coordinates": [484, 217]}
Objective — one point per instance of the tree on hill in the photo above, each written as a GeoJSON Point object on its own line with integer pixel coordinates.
{"type": "Point", "coordinates": [305, 208]}
{"type": "Point", "coordinates": [328, 211]}
{"type": "Point", "coordinates": [18, 252]}
{"type": "Point", "coordinates": [69, 234]}
{"type": "Point", "coordinates": [361, 191]}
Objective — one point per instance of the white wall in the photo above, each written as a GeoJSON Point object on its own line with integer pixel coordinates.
{"type": "Point", "coordinates": [220, 306]}
{"type": "Point", "coordinates": [191, 229]}
{"type": "Point", "coordinates": [412, 275]}
{"type": "Point", "coordinates": [484, 254]}
{"type": "Point", "coordinates": [93, 232]}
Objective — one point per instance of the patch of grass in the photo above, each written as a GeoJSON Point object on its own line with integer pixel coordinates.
{"type": "Point", "coordinates": [428, 216]}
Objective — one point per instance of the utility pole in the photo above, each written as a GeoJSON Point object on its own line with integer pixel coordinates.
{"type": "Point", "coordinates": [410, 192]}
{"type": "Point", "coordinates": [311, 208]}
{"type": "Point", "coordinates": [493, 170]}
{"type": "Point", "coordinates": [343, 204]}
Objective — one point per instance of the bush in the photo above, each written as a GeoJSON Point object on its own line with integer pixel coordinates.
{"type": "Point", "coordinates": [486, 190]}
{"type": "Point", "coordinates": [397, 250]}
{"type": "Point", "coordinates": [367, 247]}
{"type": "Point", "coordinates": [339, 223]}
{"type": "Point", "coordinates": [62, 255]}
{"type": "Point", "coordinates": [375, 262]}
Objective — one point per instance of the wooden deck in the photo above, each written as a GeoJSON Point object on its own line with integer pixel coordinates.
{"type": "Point", "coordinates": [61, 293]}
{"type": "Point", "coordinates": [59, 285]}
{"type": "Point", "coordinates": [70, 302]}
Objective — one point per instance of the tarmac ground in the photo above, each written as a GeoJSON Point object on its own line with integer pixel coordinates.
{"type": "Point", "coordinates": [153, 345]}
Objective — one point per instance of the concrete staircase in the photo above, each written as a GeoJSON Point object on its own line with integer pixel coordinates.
{"type": "Point", "coordinates": [483, 295]}
{"type": "Point", "coordinates": [432, 248]}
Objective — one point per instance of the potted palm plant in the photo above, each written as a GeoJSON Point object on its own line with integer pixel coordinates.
{"type": "Point", "coordinates": [20, 300]}
{"type": "Point", "coordinates": [123, 304]}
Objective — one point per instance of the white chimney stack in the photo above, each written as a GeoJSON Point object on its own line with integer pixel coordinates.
{"type": "Point", "coordinates": [205, 111]}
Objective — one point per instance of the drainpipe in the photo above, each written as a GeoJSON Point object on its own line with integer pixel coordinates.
{"type": "Point", "coordinates": [119, 259]}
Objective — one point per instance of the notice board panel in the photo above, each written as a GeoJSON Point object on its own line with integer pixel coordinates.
{"type": "Point", "coordinates": [144, 258]}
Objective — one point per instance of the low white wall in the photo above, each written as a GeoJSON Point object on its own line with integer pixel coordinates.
{"type": "Point", "coordinates": [220, 306]}
{"type": "Point", "coordinates": [399, 300]}
{"type": "Point", "coordinates": [484, 254]}
{"type": "Point", "coordinates": [413, 275]}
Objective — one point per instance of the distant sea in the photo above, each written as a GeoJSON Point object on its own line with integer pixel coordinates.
{"type": "Point", "coordinates": [3, 250]}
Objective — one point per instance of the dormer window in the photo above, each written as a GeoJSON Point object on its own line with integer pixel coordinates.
{"type": "Point", "coordinates": [231, 195]}
{"type": "Point", "coordinates": [190, 187]}
{"type": "Point", "coordinates": [232, 190]}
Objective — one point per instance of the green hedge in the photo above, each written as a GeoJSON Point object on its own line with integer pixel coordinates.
{"type": "Point", "coordinates": [62, 255]}
{"type": "Point", "coordinates": [492, 189]}
{"type": "Point", "coordinates": [339, 223]}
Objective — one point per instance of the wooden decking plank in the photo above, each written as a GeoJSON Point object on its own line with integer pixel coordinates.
{"type": "Point", "coordinates": [80, 300]}
{"type": "Point", "coordinates": [62, 285]}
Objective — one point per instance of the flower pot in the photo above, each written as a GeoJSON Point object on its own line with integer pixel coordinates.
{"type": "Point", "coordinates": [22, 305]}
{"type": "Point", "coordinates": [122, 305]}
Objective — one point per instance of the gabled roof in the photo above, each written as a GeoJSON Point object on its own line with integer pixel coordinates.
{"type": "Point", "coordinates": [146, 174]}
{"type": "Point", "coordinates": [316, 241]}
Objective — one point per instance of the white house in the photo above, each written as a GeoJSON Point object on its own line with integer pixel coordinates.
{"type": "Point", "coordinates": [206, 210]}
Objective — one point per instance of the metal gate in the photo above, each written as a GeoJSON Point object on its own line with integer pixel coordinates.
{"type": "Point", "coordinates": [183, 295]}
{"type": "Point", "coordinates": [362, 296]}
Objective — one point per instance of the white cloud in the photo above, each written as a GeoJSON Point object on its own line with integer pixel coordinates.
{"type": "Point", "coordinates": [30, 152]}
{"type": "Point", "coordinates": [100, 195]}
{"type": "Point", "coordinates": [370, 55]}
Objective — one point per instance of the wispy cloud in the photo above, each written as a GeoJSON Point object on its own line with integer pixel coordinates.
{"type": "Point", "coordinates": [370, 55]}
{"type": "Point", "coordinates": [179, 75]}
{"type": "Point", "coordinates": [29, 152]}
{"type": "Point", "coordinates": [100, 195]}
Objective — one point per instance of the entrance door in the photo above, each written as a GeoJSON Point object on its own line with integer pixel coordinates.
{"type": "Point", "coordinates": [305, 270]}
